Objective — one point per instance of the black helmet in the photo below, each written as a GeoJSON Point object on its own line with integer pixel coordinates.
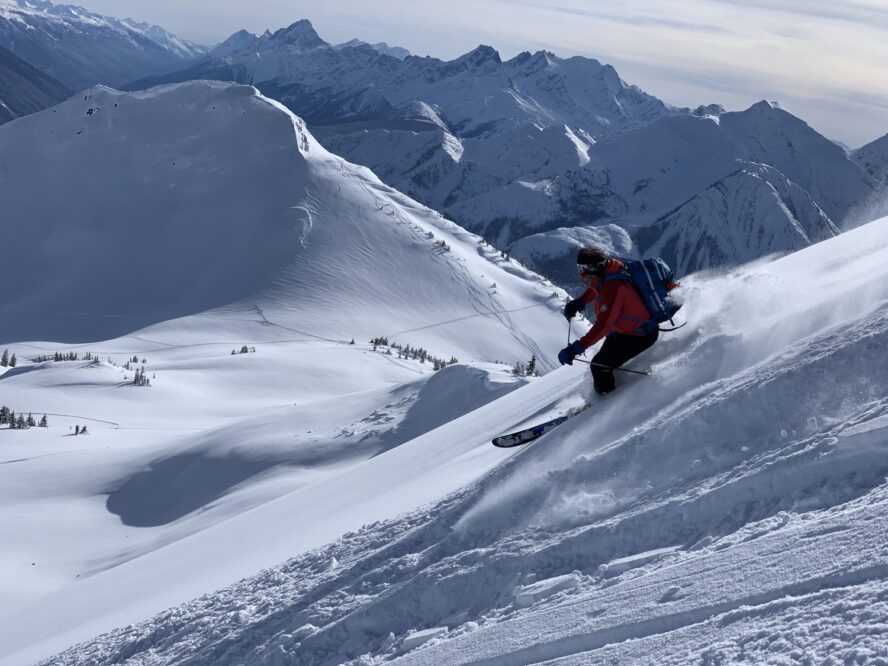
{"type": "Point", "coordinates": [591, 260]}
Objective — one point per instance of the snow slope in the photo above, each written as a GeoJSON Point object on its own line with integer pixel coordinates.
{"type": "Point", "coordinates": [228, 202]}
{"type": "Point", "coordinates": [185, 223]}
{"type": "Point", "coordinates": [729, 508]}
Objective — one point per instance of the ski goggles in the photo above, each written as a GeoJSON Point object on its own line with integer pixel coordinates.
{"type": "Point", "coordinates": [587, 269]}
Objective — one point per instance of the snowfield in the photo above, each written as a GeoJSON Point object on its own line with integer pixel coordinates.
{"type": "Point", "coordinates": [319, 502]}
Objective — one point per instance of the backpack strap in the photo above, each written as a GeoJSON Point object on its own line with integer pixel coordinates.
{"type": "Point", "coordinates": [653, 291]}
{"type": "Point", "coordinates": [646, 326]}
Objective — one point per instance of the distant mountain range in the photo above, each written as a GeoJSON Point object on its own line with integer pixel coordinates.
{"type": "Point", "coordinates": [535, 153]}
{"type": "Point", "coordinates": [395, 51]}
{"type": "Point", "coordinates": [476, 95]}
{"type": "Point", "coordinates": [526, 150]}
{"type": "Point", "coordinates": [80, 48]}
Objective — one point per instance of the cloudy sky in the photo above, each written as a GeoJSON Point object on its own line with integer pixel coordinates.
{"type": "Point", "coordinates": [823, 60]}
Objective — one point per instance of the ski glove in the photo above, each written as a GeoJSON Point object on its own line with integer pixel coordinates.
{"type": "Point", "coordinates": [567, 355]}
{"type": "Point", "coordinates": [572, 308]}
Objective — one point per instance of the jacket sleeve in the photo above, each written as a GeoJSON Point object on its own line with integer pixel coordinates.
{"type": "Point", "coordinates": [589, 295]}
{"type": "Point", "coordinates": [612, 299]}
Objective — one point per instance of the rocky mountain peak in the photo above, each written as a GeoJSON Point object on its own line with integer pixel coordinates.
{"type": "Point", "coordinates": [300, 34]}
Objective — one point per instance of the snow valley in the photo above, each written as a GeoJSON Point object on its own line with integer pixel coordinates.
{"type": "Point", "coordinates": [269, 379]}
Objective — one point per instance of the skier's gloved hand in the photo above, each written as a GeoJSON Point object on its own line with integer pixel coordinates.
{"type": "Point", "coordinates": [571, 309]}
{"type": "Point", "coordinates": [567, 355]}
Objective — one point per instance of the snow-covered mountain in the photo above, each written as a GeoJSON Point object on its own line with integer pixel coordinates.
{"type": "Point", "coordinates": [222, 197]}
{"type": "Point", "coordinates": [516, 149]}
{"type": "Point", "coordinates": [395, 51]}
{"type": "Point", "coordinates": [81, 48]}
{"type": "Point", "coordinates": [728, 508]}
{"type": "Point", "coordinates": [874, 158]}
{"type": "Point", "coordinates": [746, 215]}
{"type": "Point", "coordinates": [24, 89]}
{"type": "Point", "coordinates": [184, 224]}
{"type": "Point", "coordinates": [476, 94]}
{"type": "Point", "coordinates": [646, 175]}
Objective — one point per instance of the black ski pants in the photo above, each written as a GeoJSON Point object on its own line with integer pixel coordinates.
{"type": "Point", "coordinates": [617, 349]}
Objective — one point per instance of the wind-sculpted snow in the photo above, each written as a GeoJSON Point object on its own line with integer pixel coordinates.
{"type": "Point", "coordinates": [204, 469]}
{"type": "Point", "coordinates": [727, 508]}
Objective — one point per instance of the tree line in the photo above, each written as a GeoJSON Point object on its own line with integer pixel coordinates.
{"type": "Point", "coordinates": [413, 353]}
{"type": "Point", "coordinates": [20, 421]}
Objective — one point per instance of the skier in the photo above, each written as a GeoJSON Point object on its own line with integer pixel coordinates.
{"type": "Point", "coordinates": [621, 317]}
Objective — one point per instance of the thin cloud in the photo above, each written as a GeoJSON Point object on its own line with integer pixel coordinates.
{"type": "Point", "coordinates": [631, 19]}
{"type": "Point", "coordinates": [851, 12]}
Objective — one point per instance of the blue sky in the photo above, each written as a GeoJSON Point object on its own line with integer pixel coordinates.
{"type": "Point", "coordinates": [825, 61]}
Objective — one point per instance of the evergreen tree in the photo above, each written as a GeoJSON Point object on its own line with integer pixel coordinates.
{"type": "Point", "coordinates": [4, 414]}
{"type": "Point", "coordinates": [30, 421]}
{"type": "Point", "coordinates": [532, 366]}
{"type": "Point", "coordinates": [77, 430]}
{"type": "Point", "coordinates": [4, 361]}
{"type": "Point", "coordinates": [43, 422]}
{"type": "Point", "coordinates": [83, 431]}
{"type": "Point", "coordinates": [20, 423]}
{"type": "Point", "coordinates": [12, 361]}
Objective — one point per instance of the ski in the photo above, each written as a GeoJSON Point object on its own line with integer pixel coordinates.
{"type": "Point", "coordinates": [520, 437]}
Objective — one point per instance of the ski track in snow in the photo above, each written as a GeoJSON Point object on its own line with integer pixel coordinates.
{"type": "Point", "coordinates": [485, 306]}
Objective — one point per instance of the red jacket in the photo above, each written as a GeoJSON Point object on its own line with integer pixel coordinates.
{"type": "Point", "coordinates": [618, 307]}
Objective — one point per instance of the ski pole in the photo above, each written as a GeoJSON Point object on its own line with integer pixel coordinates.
{"type": "Point", "coordinates": [601, 365]}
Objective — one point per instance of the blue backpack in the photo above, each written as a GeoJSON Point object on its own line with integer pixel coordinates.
{"type": "Point", "coordinates": [653, 280]}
